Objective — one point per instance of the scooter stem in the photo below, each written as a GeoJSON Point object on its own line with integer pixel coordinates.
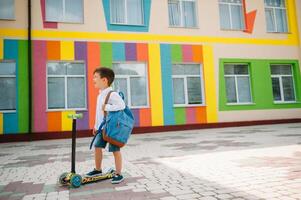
{"type": "Point", "coordinates": [73, 145]}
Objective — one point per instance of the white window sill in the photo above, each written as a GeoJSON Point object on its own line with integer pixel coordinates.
{"type": "Point", "coordinates": [120, 24]}
{"type": "Point", "coordinates": [286, 102]}
{"type": "Point", "coordinates": [240, 104]}
{"type": "Point", "coordinates": [185, 27]}
{"type": "Point", "coordinates": [65, 22]}
{"type": "Point", "coordinates": [279, 32]}
{"type": "Point", "coordinates": [8, 19]}
{"type": "Point", "coordinates": [65, 109]}
{"type": "Point", "coordinates": [238, 30]}
{"type": "Point", "coordinates": [188, 105]}
{"type": "Point", "coordinates": [139, 107]}
{"type": "Point", "coordinates": [8, 111]}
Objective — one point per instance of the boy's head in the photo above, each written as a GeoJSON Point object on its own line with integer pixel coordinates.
{"type": "Point", "coordinates": [103, 77]}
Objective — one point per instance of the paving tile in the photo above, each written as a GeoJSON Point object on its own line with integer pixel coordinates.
{"type": "Point", "coordinates": [257, 162]}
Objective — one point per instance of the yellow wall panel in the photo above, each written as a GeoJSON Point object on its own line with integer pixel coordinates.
{"type": "Point", "coordinates": [1, 123]}
{"type": "Point", "coordinates": [292, 22]}
{"type": "Point", "coordinates": [67, 50]}
{"type": "Point", "coordinates": [210, 84]}
{"type": "Point", "coordinates": [155, 84]}
{"type": "Point", "coordinates": [66, 122]}
{"type": "Point", "coordinates": [1, 49]}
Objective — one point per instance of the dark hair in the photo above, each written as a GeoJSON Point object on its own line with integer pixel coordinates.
{"type": "Point", "coordinates": [105, 72]}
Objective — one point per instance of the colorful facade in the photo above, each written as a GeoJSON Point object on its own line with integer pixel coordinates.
{"type": "Point", "coordinates": [248, 74]}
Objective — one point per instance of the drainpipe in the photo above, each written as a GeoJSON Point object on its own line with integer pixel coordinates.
{"type": "Point", "coordinates": [29, 70]}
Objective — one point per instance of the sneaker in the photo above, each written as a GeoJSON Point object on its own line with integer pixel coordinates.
{"type": "Point", "coordinates": [117, 178]}
{"type": "Point", "coordinates": [93, 173]}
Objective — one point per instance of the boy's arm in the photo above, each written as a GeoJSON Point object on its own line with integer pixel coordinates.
{"type": "Point", "coordinates": [96, 113]}
{"type": "Point", "coordinates": [115, 103]}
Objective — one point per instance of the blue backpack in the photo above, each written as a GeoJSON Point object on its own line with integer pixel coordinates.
{"type": "Point", "coordinates": [116, 126]}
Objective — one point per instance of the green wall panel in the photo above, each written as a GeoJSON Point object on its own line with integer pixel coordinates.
{"type": "Point", "coordinates": [23, 86]}
{"type": "Point", "coordinates": [176, 53]}
{"type": "Point", "coordinates": [106, 56]}
{"type": "Point", "coordinates": [180, 115]}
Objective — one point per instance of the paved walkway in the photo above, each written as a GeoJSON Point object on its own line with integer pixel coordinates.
{"type": "Point", "coordinates": [256, 162]}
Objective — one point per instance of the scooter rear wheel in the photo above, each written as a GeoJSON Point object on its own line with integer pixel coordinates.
{"type": "Point", "coordinates": [62, 178]}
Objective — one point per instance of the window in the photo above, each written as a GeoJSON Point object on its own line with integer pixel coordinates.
{"type": "Point", "coordinates": [283, 83]}
{"type": "Point", "coordinates": [7, 86]}
{"type": "Point", "coordinates": [130, 78]}
{"type": "Point", "coordinates": [66, 85]}
{"type": "Point", "coordinates": [7, 9]}
{"type": "Point", "coordinates": [64, 11]}
{"type": "Point", "coordinates": [187, 84]}
{"type": "Point", "coordinates": [275, 14]}
{"type": "Point", "coordinates": [128, 12]}
{"type": "Point", "coordinates": [182, 13]}
{"type": "Point", "coordinates": [238, 83]}
{"type": "Point", "coordinates": [231, 14]}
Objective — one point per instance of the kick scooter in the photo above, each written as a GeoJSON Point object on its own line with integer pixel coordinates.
{"type": "Point", "coordinates": [71, 178]}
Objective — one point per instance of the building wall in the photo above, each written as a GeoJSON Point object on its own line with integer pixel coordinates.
{"type": "Point", "coordinates": [159, 46]}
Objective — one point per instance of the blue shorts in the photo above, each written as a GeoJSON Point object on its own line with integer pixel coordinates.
{"type": "Point", "coordinates": [101, 143]}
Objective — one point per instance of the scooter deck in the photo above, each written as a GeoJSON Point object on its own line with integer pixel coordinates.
{"type": "Point", "coordinates": [108, 175]}
{"type": "Point", "coordinates": [86, 179]}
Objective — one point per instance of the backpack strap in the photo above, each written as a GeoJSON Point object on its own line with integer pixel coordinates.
{"type": "Point", "coordinates": [103, 122]}
{"type": "Point", "coordinates": [106, 102]}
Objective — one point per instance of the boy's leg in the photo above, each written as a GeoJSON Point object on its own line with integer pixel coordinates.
{"type": "Point", "coordinates": [99, 145]}
{"type": "Point", "coordinates": [98, 158]}
{"type": "Point", "coordinates": [117, 178]}
{"type": "Point", "coordinates": [118, 161]}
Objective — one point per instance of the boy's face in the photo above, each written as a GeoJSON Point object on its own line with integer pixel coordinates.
{"type": "Point", "coordinates": [100, 83]}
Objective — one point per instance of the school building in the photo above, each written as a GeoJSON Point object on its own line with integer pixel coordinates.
{"type": "Point", "coordinates": [180, 63]}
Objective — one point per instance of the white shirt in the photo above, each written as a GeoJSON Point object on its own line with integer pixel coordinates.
{"type": "Point", "coordinates": [115, 103]}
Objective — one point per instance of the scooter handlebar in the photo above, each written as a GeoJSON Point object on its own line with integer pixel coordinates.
{"type": "Point", "coordinates": [75, 116]}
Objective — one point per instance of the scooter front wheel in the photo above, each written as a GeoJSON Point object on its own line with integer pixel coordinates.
{"type": "Point", "coordinates": [76, 180]}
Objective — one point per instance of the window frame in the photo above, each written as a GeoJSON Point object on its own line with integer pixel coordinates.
{"type": "Point", "coordinates": [235, 76]}
{"type": "Point", "coordinates": [186, 104]}
{"type": "Point", "coordinates": [128, 82]}
{"type": "Point", "coordinates": [229, 4]}
{"type": "Point", "coordinates": [66, 85]}
{"type": "Point", "coordinates": [274, 8]}
{"type": "Point", "coordinates": [64, 14]}
{"type": "Point", "coordinates": [279, 76]}
{"type": "Point", "coordinates": [10, 76]}
{"type": "Point", "coordinates": [126, 15]}
{"type": "Point", "coordinates": [181, 15]}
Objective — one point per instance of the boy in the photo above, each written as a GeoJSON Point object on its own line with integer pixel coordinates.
{"type": "Point", "coordinates": [103, 78]}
